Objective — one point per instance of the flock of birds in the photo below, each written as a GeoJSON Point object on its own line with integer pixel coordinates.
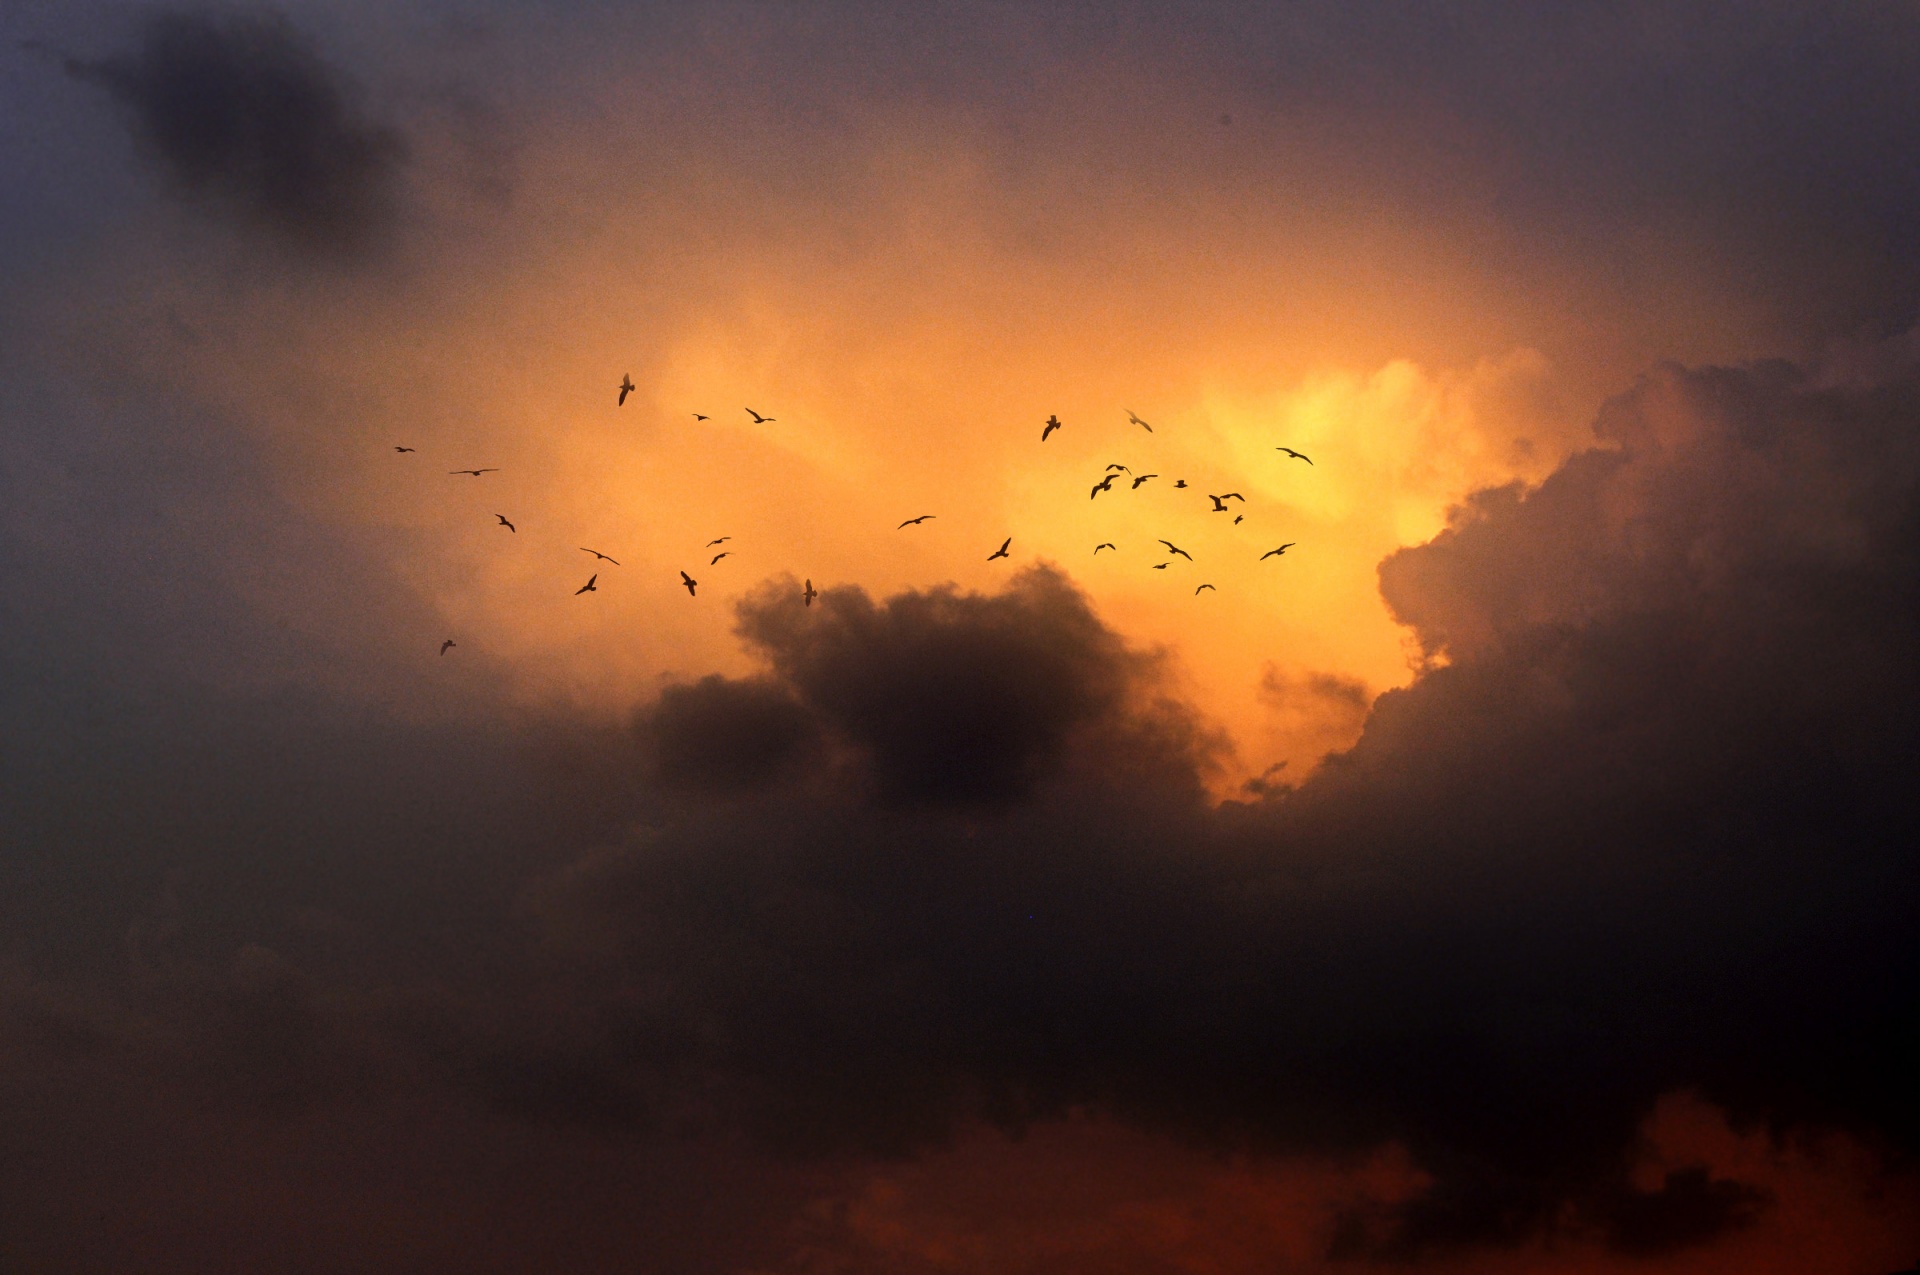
{"type": "Point", "coordinates": [809, 593]}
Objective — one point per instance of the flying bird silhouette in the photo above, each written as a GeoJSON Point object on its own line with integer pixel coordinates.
{"type": "Point", "coordinates": [809, 594]}
{"type": "Point", "coordinates": [1105, 484]}
{"type": "Point", "coordinates": [1160, 566]}
{"type": "Point", "coordinates": [1219, 502]}
{"type": "Point", "coordinates": [690, 582]}
{"type": "Point", "coordinates": [1142, 478]}
{"type": "Point", "coordinates": [626, 388]}
{"type": "Point", "coordinates": [1137, 421]}
{"type": "Point", "coordinates": [1274, 553]}
{"type": "Point", "coordinates": [403, 449]}
{"type": "Point", "coordinates": [722, 540]}
{"type": "Point", "coordinates": [1121, 467]}
{"type": "Point", "coordinates": [914, 522]}
{"type": "Point", "coordinates": [588, 586]}
{"type": "Point", "coordinates": [444, 645]}
{"type": "Point", "coordinates": [1174, 548]}
{"type": "Point", "coordinates": [724, 553]}
{"type": "Point", "coordinates": [596, 553]}
{"type": "Point", "coordinates": [1218, 507]}
{"type": "Point", "coordinates": [1001, 552]}
{"type": "Point", "coordinates": [1237, 518]}
{"type": "Point", "coordinates": [759, 419]}
{"type": "Point", "coordinates": [1179, 482]}
{"type": "Point", "coordinates": [504, 523]}
{"type": "Point", "coordinates": [1108, 545]}
{"type": "Point", "coordinates": [475, 472]}
{"type": "Point", "coordinates": [698, 417]}
{"type": "Point", "coordinates": [1196, 592]}
{"type": "Point", "coordinates": [1053, 423]}
{"type": "Point", "coordinates": [1296, 455]}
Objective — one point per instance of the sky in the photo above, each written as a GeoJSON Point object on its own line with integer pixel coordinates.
{"type": "Point", "coordinates": [1509, 877]}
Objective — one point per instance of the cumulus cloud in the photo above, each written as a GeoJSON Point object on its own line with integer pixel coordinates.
{"type": "Point", "coordinates": [239, 107]}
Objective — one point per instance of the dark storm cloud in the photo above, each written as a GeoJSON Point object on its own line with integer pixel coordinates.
{"type": "Point", "coordinates": [240, 107]}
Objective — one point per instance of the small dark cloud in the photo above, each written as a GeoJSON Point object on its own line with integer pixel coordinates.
{"type": "Point", "coordinates": [239, 108]}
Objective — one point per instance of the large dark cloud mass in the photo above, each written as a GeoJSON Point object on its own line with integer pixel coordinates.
{"type": "Point", "coordinates": [240, 107]}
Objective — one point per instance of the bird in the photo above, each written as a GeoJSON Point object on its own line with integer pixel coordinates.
{"type": "Point", "coordinates": [1001, 552]}
{"type": "Point", "coordinates": [1053, 423]}
{"type": "Point", "coordinates": [724, 553]}
{"type": "Point", "coordinates": [1160, 566]}
{"type": "Point", "coordinates": [759, 419]}
{"type": "Point", "coordinates": [596, 553]}
{"type": "Point", "coordinates": [475, 472]}
{"type": "Point", "coordinates": [403, 449]}
{"type": "Point", "coordinates": [722, 540]}
{"type": "Point", "coordinates": [1179, 482]}
{"type": "Point", "coordinates": [504, 523]}
{"type": "Point", "coordinates": [1218, 507]}
{"type": "Point", "coordinates": [444, 645]}
{"type": "Point", "coordinates": [1137, 421]}
{"type": "Point", "coordinates": [1174, 548]}
{"type": "Point", "coordinates": [698, 417]}
{"type": "Point", "coordinates": [1274, 553]}
{"type": "Point", "coordinates": [1121, 467]}
{"type": "Point", "coordinates": [626, 388]}
{"type": "Point", "coordinates": [1196, 592]}
{"type": "Point", "coordinates": [1105, 484]}
{"type": "Point", "coordinates": [914, 522]}
{"type": "Point", "coordinates": [1296, 455]}
{"type": "Point", "coordinates": [809, 594]}
{"type": "Point", "coordinates": [588, 586]}
{"type": "Point", "coordinates": [1108, 545]}
{"type": "Point", "coordinates": [1219, 502]}
{"type": "Point", "coordinates": [1142, 478]}
{"type": "Point", "coordinates": [1237, 518]}
{"type": "Point", "coordinates": [690, 582]}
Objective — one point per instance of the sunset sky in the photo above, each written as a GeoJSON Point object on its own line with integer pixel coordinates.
{"type": "Point", "coordinates": [1509, 878]}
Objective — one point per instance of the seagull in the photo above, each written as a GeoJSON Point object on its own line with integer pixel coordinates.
{"type": "Point", "coordinates": [504, 523]}
{"type": "Point", "coordinates": [759, 419]}
{"type": "Point", "coordinates": [1237, 518]}
{"type": "Point", "coordinates": [1053, 423]}
{"type": "Point", "coordinates": [1105, 484]}
{"type": "Point", "coordinates": [1108, 545]}
{"type": "Point", "coordinates": [588, 586]}
{"type": "Point", "coordinates": [1274, 553]}
{"type": "Point", "coordinates": [698, 417]}
{"type": "Point", "coordinates": [626, 388]}
{"type": "Point", "coordinates": [1217, 506]}
{"type": "Point", "coordinates": [1174, 548]}
{"type": "Point", "coordinates": [1119, 467]}
{"type": "Point", "coordinates": [1179, 482]}
{"type": "Point", "coordinates": [475, 472]}
{"type": "Point", "coordinates": [809, 594]}
{"type": "Point", "coordinates": [722, 540]}
{"type": "Point", "coordinates": [1001, 552]}
{"type": "Point", "coordinates": [1137, 421]}
{"type": "Point", "coordinates": [914, 522]}
{"type": "Point", "coordinates": [403, 449]}
{"type": "Point", "coordinates": [1196, 592]}
{"type": "Point", "coordinates": [1160, 566]}
{"type": "Point", "coordinates": [596, 553]}
{"type": "Point", "coordinates": [1219, 502]}
{"type": "Point", "coordinates": [689, 581]}
{"type": "Point", "coordinates": [444, 645]}
{"type": "Point", "coordinates": [1296, 455]}
{"type": "Point", "coordinates": [1142, 478]}
{"type": "Point", "coordinates": [724, 553]}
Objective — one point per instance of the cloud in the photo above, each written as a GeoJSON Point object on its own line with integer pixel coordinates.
{"type": "Point", "coordinates": [240, 107]}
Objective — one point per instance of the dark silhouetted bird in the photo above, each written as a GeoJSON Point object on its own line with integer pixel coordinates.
{"type": "Point", "coordinates": [1142, 478]}
{"type": "Point", "coordinates": [719, 541]}
{"type": "Point", "coordinates": [1179, 482]}
{"type": "Point", "coordinates": [1001, 552]}
{"type": "Point", "coordinates": [914, 522]}
{"type": "Point", "coordinates": [1174, 548]}
{"type": "Point", "coordinates": [1218, 507]}
{"type": "Point", "coordinates": [444, 645]}
{"type": "Point", "coordinates": [1196, 592]}
{"type": "Point", "coordinates": [724, 553]}
{"type": "Point", "coordinates": [1161, 566]}
{"type": "Point", "coordinates": [475, 472]}
{"type": "Point", "coordinates": [403, 449]}
{"type": "Point", "coordinates": [1122, 468]}
{"type": "Point", "coordinates": [1108, 545]}
{"type": "Point", "coordinates": [759, 419]}
{"type": "Point", "coordinates": [504, 523]}
{"type": "Point", "coordinates": [1105, 484]}
{"type": "Point", "coordinates": [809, 594]}
{"type": "Point", "coordinates": [1053, 423]}
{"type": "Point", "coordinates": [690, 582]}
{"type": "Point", "coordinates": [1137, 421]}
{"type": "Point", "coordinates": [1274, 553]}
{"type": "Point", "coordinates": [596, 553]}
{"type": "Point", "coordinates": [588, 586]}
{"type": "Point", "coordinates": [1296, 455]}
{"type": "Point", "coordinates": [626, 388]}
{"type": "Point", "coordinates": [1237, 519]}
{"type": "Point", "coordinates": [698, 417]}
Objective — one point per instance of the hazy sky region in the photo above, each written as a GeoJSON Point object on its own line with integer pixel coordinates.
{"type": "Point", "coordinates": [1512, 877]}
